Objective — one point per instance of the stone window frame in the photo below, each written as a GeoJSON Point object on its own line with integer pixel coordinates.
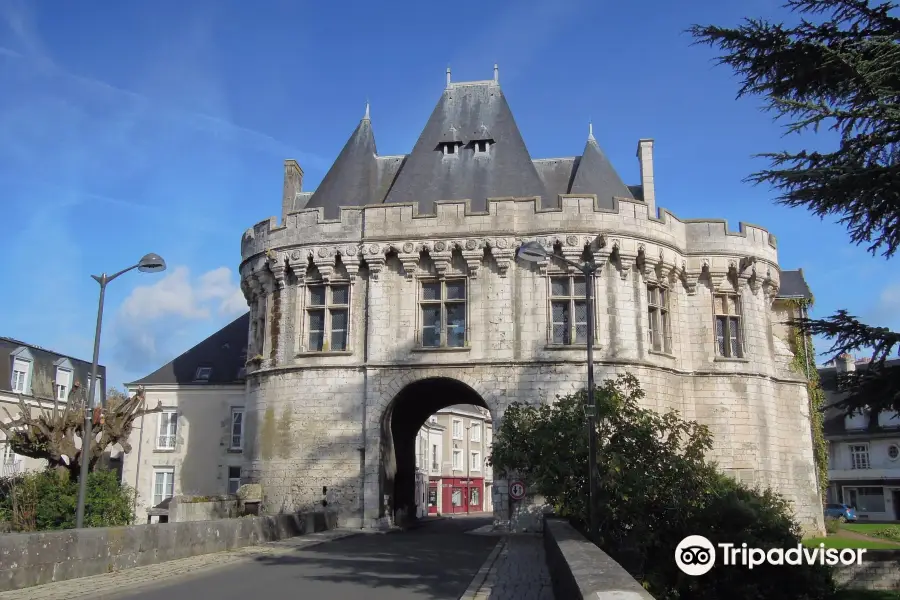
{"type": "Point", "coordinates": [421, 282]}
{"type": "Point", "coordinates": [473, 455]}
{"type": "Point", "coordinates": [453, 429]}
{"type": "Point", "coordinates": [663, 310]}
{"type": "Point", "coordinates": [328, 308]}
{"type": "Point", "coordinates": [859, 450]}
{"type": "Point", "coordinates": [572, 299]}
{"type": "Point", "coordinates": [721, 313]}
{"type": "Point", "coordinates": [475, 432]}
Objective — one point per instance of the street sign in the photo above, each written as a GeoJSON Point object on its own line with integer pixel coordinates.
{"type": "Point", "coordinates": [517, 489]}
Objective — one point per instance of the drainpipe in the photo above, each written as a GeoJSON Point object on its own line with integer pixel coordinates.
{"type": "Point", "coordinates": [365, 396]}
{"type": "Point", "coordinates": [137, 470]}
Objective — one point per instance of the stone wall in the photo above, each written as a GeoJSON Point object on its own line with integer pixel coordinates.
{"type": "Point", "coordinates": [579, 569]}
{"type": "Point", "coordinates": [880, 571]}
{"type": "Point", "coordinates": [183, 510]}
{"type": "Point", "coordinates": [28, 559]}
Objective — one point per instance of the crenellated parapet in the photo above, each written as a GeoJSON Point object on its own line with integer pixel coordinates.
{"type": "Point", "coordinates": [627, 234]}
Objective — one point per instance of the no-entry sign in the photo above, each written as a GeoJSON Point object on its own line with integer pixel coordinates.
{"type": "Point", "coordinates": [517, 489]}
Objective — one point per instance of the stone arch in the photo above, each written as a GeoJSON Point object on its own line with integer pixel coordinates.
{"type": "Point", "coordinates": [407, 400]}
{"type": "Point", "coordinates": [391, 387]}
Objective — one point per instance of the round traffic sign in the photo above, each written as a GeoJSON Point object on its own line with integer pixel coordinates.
{"type": "Point", "coordinates": [517, 489]}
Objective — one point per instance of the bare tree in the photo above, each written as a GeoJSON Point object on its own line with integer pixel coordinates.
{"type": "Point", "coordinates": [49, 430]}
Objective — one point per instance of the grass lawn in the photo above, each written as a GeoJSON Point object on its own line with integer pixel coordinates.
{"type": "Point", "coordinates": [837, 541]}
{"type": "Point", "coordinates": [887, 532]}
{"type": "Point", "coordinates": [867, 595]}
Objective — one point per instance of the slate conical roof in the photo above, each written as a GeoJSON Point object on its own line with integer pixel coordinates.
{"type": "Point", "coordinates": [353, 177]}
{"type": "Point", "coordinates": [596, 175]}
{"type": "Point", "coordinates": [465, 111]}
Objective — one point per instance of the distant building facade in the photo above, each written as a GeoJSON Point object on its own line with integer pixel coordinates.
{"type": "Point", "coordinates": [195, 446]}
{"type": "Point", "coordinates": [43, 378]}
{"type": "Point", "coordinates": [863, 450]}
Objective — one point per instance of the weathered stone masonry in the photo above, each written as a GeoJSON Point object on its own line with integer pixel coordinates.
{"type": "Point", "coordinates": [454, 211]}
{"type": "Point", "coordinates": [313, 417]}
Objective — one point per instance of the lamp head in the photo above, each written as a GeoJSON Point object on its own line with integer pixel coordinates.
{"type": "Point", "coordinates": [152, 263]}
{"type": "Point", "coordinates": [532, 252]}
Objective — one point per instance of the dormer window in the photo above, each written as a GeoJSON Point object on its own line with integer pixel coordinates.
{"type": "Point", "coordinates": [482, 147]}
{"type": "Point", "coordinates": [203, 374]}
{"type": "Point", "coordinates": [63, 379]}
{"type": "Point", "coordinates": [20, 379]}
{"type": "Point", "coordinates": [450, 148]}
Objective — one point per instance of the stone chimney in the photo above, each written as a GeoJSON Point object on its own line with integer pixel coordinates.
{"type": "Point", "coordinates": [844, 363]}
{"type": "Point", "coordinates": [645, 156]}
{"type": "Point", "coordinates": [293, 185]}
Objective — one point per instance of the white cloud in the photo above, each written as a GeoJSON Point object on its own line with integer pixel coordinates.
{"type": "Point", "coordinates": [147, 318]}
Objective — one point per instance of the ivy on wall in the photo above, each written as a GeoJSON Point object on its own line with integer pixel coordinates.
{"type": "Point", "coordinates": [802, 347]}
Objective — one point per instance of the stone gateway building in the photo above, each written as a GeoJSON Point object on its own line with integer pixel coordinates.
{"type": "Point", "coordinates": [393, 291]}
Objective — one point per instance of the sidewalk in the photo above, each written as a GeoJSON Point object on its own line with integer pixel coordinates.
{"type": "Point", "coordinates": [515, 570]}
{"type": "Point", "coordinates": [127, 581]}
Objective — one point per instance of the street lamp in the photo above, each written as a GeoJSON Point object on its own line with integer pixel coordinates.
{"type": "Point", "coordinates": [534, 252]}
{"type": "Point", "coordinates": [150, 263]}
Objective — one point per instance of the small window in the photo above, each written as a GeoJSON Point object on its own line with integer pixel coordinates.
{"type": "Point", "coordinates": [476, 461]}
{"type": "Point", "coordinates": [482, 146]}
{"type": "Point", "coordinates": [658, 318]}
{"type": "Point", "coordinates": [168, 426]}
{"type": "Point", "coordinates": [327, 317]}
{"type": "Point", "coordinates": [234, 479]}
{"type": "Point", "coordinates": [893, 452]}
{"type": "Point", "coordinates": [457, 429]}
{"type": "Point", "coordinates": [63, 383]}
{"type": "Point", "coordinates": [19, 380]}
{"type": "Point", "coordinates": [203, 374]}
{"type": "Point", "coordinates": [163, 485]}
{"type": "Point", "coordinates": [442, 306]}
{"type": "Point", "coordinates": [568, 310]}
{"type": "Point", "coordinates": [476, 432]}
{"type": "Point", "coordinates": [457, 460]}
{"type": "Point", "coordinates": [729, 340]}
{"type": "Point", "coordinates": [859, 456]}
{"type": "Point", "coordinates": [237, 428]}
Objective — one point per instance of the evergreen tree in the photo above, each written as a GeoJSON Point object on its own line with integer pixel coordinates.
{"type": "Point", "coordinates": [839, 68]}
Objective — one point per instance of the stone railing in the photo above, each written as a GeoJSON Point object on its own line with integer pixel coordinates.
{"type": "Point", "coordinates": [29, 559]}
{"type": "Point", "coordinates": [579, 569]}
{"type": "Point", "coordinates": [880, 570]}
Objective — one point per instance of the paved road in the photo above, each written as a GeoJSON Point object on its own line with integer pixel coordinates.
{"type": "Point", "coordinates": [435, 561]}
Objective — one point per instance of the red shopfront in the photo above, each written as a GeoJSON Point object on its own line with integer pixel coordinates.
{"type": "Point", "coordinates": [460, 495]}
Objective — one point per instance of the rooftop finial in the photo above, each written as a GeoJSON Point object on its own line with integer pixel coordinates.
{"type": "Point", "coordinates": [448, 76]}
{"type": "Point", "coordinates": [591, 131]}
{"type": "Point", "coordinates": [366, 118]}
{"type": "Point", "coordinates": [496, 73]}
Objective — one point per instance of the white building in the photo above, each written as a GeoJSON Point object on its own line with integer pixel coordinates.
{"type": "Point", "coordinates": [42, 378]}
{"type": "Point", "coordinates": [195, 446]}
{"type": "Point", "coordinates": [863, 451]}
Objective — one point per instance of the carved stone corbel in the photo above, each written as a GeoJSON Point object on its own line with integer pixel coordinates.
{"type": "Point", "coordinates": [410, 264]}
{"type": "Point", "coordinates": [504, 257]}
{"type": "Point", "coordinates": [716, 279]}
{"type": "Point", "coordinates": [690, 279]}
{"type": "Point", "coordinates": [473, 260]}
{"type": "Point", "coordinates": [325, 263]}
{"type": "Point", "coordinates": [626, 263]}
{"type": "Point", "coordinates": [441, 260]}
{"type": "Point", "coordinates": [279, 272]}
{"type": "Point", "coordinates": [375, 263]}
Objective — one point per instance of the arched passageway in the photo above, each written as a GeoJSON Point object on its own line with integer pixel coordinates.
{"type": "Point", "coordinates": [402, 420]}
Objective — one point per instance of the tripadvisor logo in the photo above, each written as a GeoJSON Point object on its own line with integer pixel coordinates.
{"type": "Point", "coordinates": [695, 555]}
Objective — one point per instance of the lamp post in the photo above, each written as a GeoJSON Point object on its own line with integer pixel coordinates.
{"type": "Point", "coordinates": [533, 252]}
{"type": "Point", "coordinates": [150, 263]}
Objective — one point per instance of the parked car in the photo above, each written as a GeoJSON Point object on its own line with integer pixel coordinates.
{"type": "Point", "coordinates": [841, 512]}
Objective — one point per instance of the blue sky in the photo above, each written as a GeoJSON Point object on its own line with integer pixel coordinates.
{"type": "Point", "coordinates": [138, 127]}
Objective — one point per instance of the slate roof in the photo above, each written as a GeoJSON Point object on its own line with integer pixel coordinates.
{"type": "Point", "coordinates": [596, 175]}
{"type": "Point", "coordinates": [793, 285]}
{"type": "Point", "coordinates": [466, 112]}
{"type": "Point", "coordinates": [834, 424]}
{"type": "Point", "coordinates": [353, 177]}
{"type": "Point", "coordinates": [43, 366]}
{"type": "Point", "coordinates": [225, 352]}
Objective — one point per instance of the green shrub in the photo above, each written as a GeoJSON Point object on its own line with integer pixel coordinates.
{"type": "Point", "coordinates": [832, 525]}
{"type": "Point", "coordinates": [655, 489]}
{"type": "Point", "coordinates": [45, 500]}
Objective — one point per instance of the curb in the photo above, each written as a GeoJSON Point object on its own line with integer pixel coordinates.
{"type": "Point", "coordinates": [475, 586]}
